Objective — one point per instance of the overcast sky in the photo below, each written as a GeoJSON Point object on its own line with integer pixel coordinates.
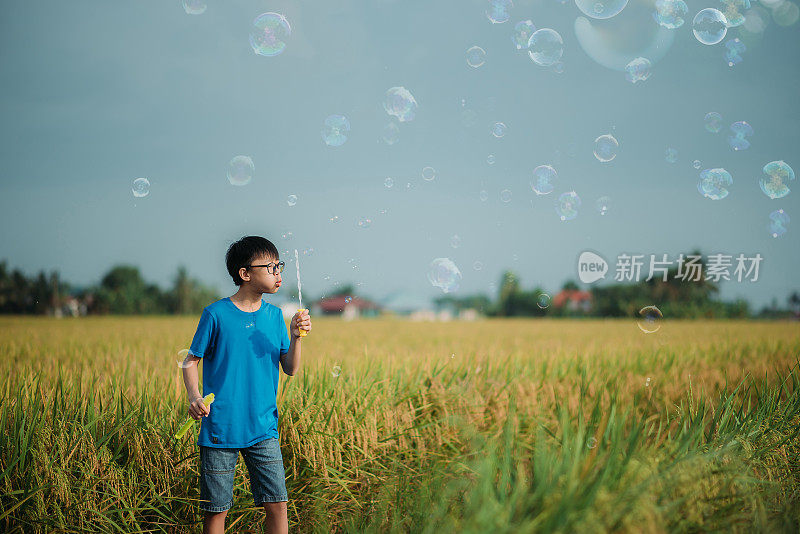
{"type": "Point", "coordinates": [97, 94]}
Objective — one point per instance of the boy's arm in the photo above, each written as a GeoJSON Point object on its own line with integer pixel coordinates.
{"type": "Point", "coordinates": [291, 360]}
{"type": "Point", "coordinates": [190, 378]}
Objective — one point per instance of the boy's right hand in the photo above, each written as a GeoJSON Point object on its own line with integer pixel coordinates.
{"type": "Point", "coordinates": [198, 409]}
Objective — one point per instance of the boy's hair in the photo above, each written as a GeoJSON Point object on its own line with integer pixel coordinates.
{"type": "Point", "coordinates": [244, 251]}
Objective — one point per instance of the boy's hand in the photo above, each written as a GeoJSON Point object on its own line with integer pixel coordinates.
{"type": "Point", "coordinates": [300, 320]}
{"type": "Point", "coordinates": [197, 409]}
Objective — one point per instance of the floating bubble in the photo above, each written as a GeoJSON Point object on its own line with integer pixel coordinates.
{"type": "Point", "coordinates": [696, 164]}
{"type": "Point", "coordinates": [638, 70]}
{"type": "Point", "coordinates": [335, 129]}
{"type": "Point", "coordinates": [601, 9]}
{"type": "Point", "coordinates": [733, 9]}
{"type": "Point", "coordinates": [490, 159]}
{"type": "Point", "coordinates": [671, 155]}
{"type": "Point", "coordinates": [709, 26]}
{"type": "Point", "coordinates": [444, 274]}
{"type": "Point", "coordinates": [543, 300]}
{"type": "Point", "coordinates": [545, 47]}
{"type": "Point", "coordinates": [240, 170]}
{"type": "Point", "coordinates": [543, 178]}
{"type": "Point", "coordinates": [391, 134]}
{"type": "Point", "coordinates": [505, 196]}
{"type": "Point", "coordinates": [184, 361]}
{"type": "Point", "coordinates": [194, 7]}
{"type": "Point", "coordinates": [141, 187]}
{"type": "Point", "coordinates": [714, 183]}
{"type": "Point", "coordinates": [756, 20]}
{"type": "Point", "coordinates": [364, 222]}
{"type": "Point", "coordinates": [337, 370]}
{"type": "Point", "coordinates": [650, 319]}
{"type": "Point", "coordinates": [287, 235]}
{"type": "Point", "coordinates": [778, 221]}
{"type": "Point", "coordinates": [428, 173]}
{"type": "Point", "coordinates": [498, 129]}
{"type": "Point", "coordinates": [291, 200]}
{"type": "Point", "coordinates": [455, 241]}
{"type": "Point", "coordinates": [477, 265]}
{"type": "Point", "coordinates": [605, 148]}
{"type": "Point", "coordinates": [558, 67]}
{"type": "Point", "coordinates": [388, 183]}
{"type": "Point", "coordinates": [567, 205]}
{"type": "Point", "coordinates": [603, 204]}
{"type": "Point", "coordinates": [647, 382]}
{"type": "Point", "coordinates": [497, 11]}
{"type": "Point", "coordinates": [786, 13]}
{"type": "Point", "coordinates": [484, 195]}
{"type": "Point", "coordinates": [334, 219]}
{"type": "Point", "coordinates": [399, 102]}
{"type": "Point", "coordinates": [670, 13]}
{"type": "Point", "coordinates": [268, 37]}
{"type": "Point", "coordinates": [738, 139]}
{"type": "Point", "coordinates": [522, 34]}
{"type": "Point", "coordinates": [733, 51]}
{"type": "Point", "coordinates": [591, 442]}
{"type": "Point", "coordinates": [713, 122]}
{"type": "Point", "coordinates": [775, 180]}
{"type": "Point", "coordinates": [476, 56]}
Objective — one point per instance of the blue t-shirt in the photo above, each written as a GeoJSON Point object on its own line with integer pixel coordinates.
{"type": "Point", "coordinates": [241, 353]}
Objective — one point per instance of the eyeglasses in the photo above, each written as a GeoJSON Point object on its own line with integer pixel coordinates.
{"type": "Point", "coordinates": [274, 268]}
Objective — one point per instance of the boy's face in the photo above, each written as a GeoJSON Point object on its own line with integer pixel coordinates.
{"type": "Point", "coordinates": [260, 275]}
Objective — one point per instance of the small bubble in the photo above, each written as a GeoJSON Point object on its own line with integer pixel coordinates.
{"type": "Point", "coordinates": [336, 371]}
{"type": "Point", "coordinates": [591, 443]}
{"type": "Point", "coordinates": [291, 200]}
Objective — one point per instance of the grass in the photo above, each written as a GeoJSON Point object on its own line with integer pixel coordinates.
{"type": "Point", "coordinates": [508, 425]}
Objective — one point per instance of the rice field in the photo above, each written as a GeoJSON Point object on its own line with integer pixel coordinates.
{"type": "Point", "coordinates": [494, 425]}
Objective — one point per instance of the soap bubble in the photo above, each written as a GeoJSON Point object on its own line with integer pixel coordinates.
{"type": "Point", "coordinates": [184, 361]}
{"type": "Point", "coordinates": [778, 221]}
{"type": "Point", "coordinates": [756, 21]}
{"type": "Point", "coordinates": [650, 319]}
{"type": "Point", "coordinates": [476, 56]}
{"type": "Point", "coordinates": [399, 102]}
{"type": "Point", "coordinates": [696, 164]}
{"type": "Point", "coordinates": [335, 129]}
{"type": "Point", "coordinates": [603, 204]}
{"type": "Point", "coordinates": [477, 265]}
{"type": "Point", "coordinates": [601, 9]}
{"type": "Point", "coordinates": [647, 382]}
{"type": "Point", "coordinates": [558, 67]}
{"type": "Point", "coordinates": [194, 7]}
{"type": "Point", "coordinates": [287, 235]}
{"type": "Point", "coordinates": [670, 13]}
{"type": "Point", "coordinates": [775, 180]}
{"type": "Point", "coordinates": [497, 11]}
{"type": "Point", "coordinates": [567, 205]}
{"type": "Point", "coordinates": [141, 187]}
{"type": "Point", "coordinates": [545, 47]}
{"type": "Point", "coordinates": [733, 9]}
{"type": "Point", "coordinates": [738, 139]}
{"type": "Point", "coordinates": [714, 183]}
{"type": "Point", "coordinates": [428, 173]}
{"type": "Point", "coordinates": [498, 129]}
{"type": "Point", "coordinates": [733, 50]}
{"type": "Point", "coordinates": [505, 196]}
{"type": "Point", "coordinates": [709, 26]}
{"type": "Point", "coordinates": [591, 442]}
{"type": "Point", "coordinates": [484, 195]}
{"type": "Point", "coordinates": [522, 34]}
{"type": "Point", "coordinates": [786, 13]}
{"type": "Point", "coordinates": [605, 148]}
{"type": "Point", "coordinates": [638, 70]}
{"type": "Point", "coordinates": [713, 122]}
{"type": "Point", "coordinates": [291, 200]}
{"type": "Point", "coordinates": [388, 182]}
{"type": "Point", "coordinates": [444, 274]}
{"type": "Point", "coordinates": [455, 241]}
{"type": "Point", "coordinates": [240, 170]}
{"type": "Point", "coordinates": [490, 159]}
{"type": "Point", "coordinates": [391, 134]}
{"type": "Point", "coordinates": [364, 222]}
{"type": "Point", "coordinates": [671, 155]}
{"type": "Point", "coordinates": [543, 300]}
{"type": "Point", "coordinates": [334, 219]}
{"type": "Point", "coordinates": [268, 38]}
{"type": "Point", "coordinates": [543, 178]}
{"type": "Point", "coordinates": [337, 370]}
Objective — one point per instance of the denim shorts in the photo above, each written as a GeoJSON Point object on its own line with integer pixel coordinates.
{"type": "Point", "coordinates": [264, 464]}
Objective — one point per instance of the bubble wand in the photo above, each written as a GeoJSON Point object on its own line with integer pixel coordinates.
{"type": "Point", "coordinates": [207, 400]}
{"type": "Point", "coordinates": [303, 333]}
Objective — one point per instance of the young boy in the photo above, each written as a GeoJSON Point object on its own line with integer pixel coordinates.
{"type": "Point", "coordinates": [241, 339]}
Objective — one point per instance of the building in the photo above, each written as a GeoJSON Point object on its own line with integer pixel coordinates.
{"type": "Point", "coordinates": [346, 307]}
{"type": "Point", "coordinates": [573, 300]}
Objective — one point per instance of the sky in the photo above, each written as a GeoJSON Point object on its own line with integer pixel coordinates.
{"type": "Point", "coordinates": [97, 94]}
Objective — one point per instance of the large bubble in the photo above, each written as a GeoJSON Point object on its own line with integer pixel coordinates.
{"type": "Point", "coordinates": [334, 130]}
{"type": "Point", "coordinates": [497, 11]}
{"type": "Point", "coordinates": [268, 37]}
{"type": "Point", "coordinates": [775, 180]}
{"type": "Point", "coordinates": [714, 183]}
{"type": "Point", "coordinates": [543, 178]}
{"type": "Point", "coordinates": [778, 221]}
{"type": "Point", "coordinates": [399, 102]}
{"type": "Point", "coordinates": [709, 26]}
{"type": "Point", "coordinates": [733, 11]}
{"type": "Point", "coordinates": [545, 47]}
{"type": "Point", "coordinates": [670, 13]}
{"type": "Point", "coordinates": [522, 34]}
{"type": "Point", "coordinates": [713, 122]}
{"type": "Point", "coordinates": [444, 274]}
{"type": "Point", "coordinates": [638, 70]}
{"type": "Point", "coordinates": [601, 9]}
{"type": "Point", "coordinates": [605, 148]}
{"type": "Point", "coordinates": [240, 170]}
{"type": "Point", "coordinates": [476, 56]}
{"type": "Point", "coordinates": [740, 132]}
{"type": "Point", "coordinates": [141, 187]}
{"type": "Point", "coordinates": [567, 205]}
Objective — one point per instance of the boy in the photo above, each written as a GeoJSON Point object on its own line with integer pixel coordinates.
{"type": "Point", "coordinates": [241, 340]}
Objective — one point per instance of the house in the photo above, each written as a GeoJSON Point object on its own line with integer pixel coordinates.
{"type": "Point", "coordinates": [347, 307]}
{"type": "Point", "coordinates": [573, 300]}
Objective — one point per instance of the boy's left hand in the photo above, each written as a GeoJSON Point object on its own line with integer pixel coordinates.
{"type": "Point", "coordinates": [300, 320]}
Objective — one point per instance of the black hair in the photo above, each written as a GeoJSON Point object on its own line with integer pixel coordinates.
{"type": "Point", "coordinates": [244, 251]}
